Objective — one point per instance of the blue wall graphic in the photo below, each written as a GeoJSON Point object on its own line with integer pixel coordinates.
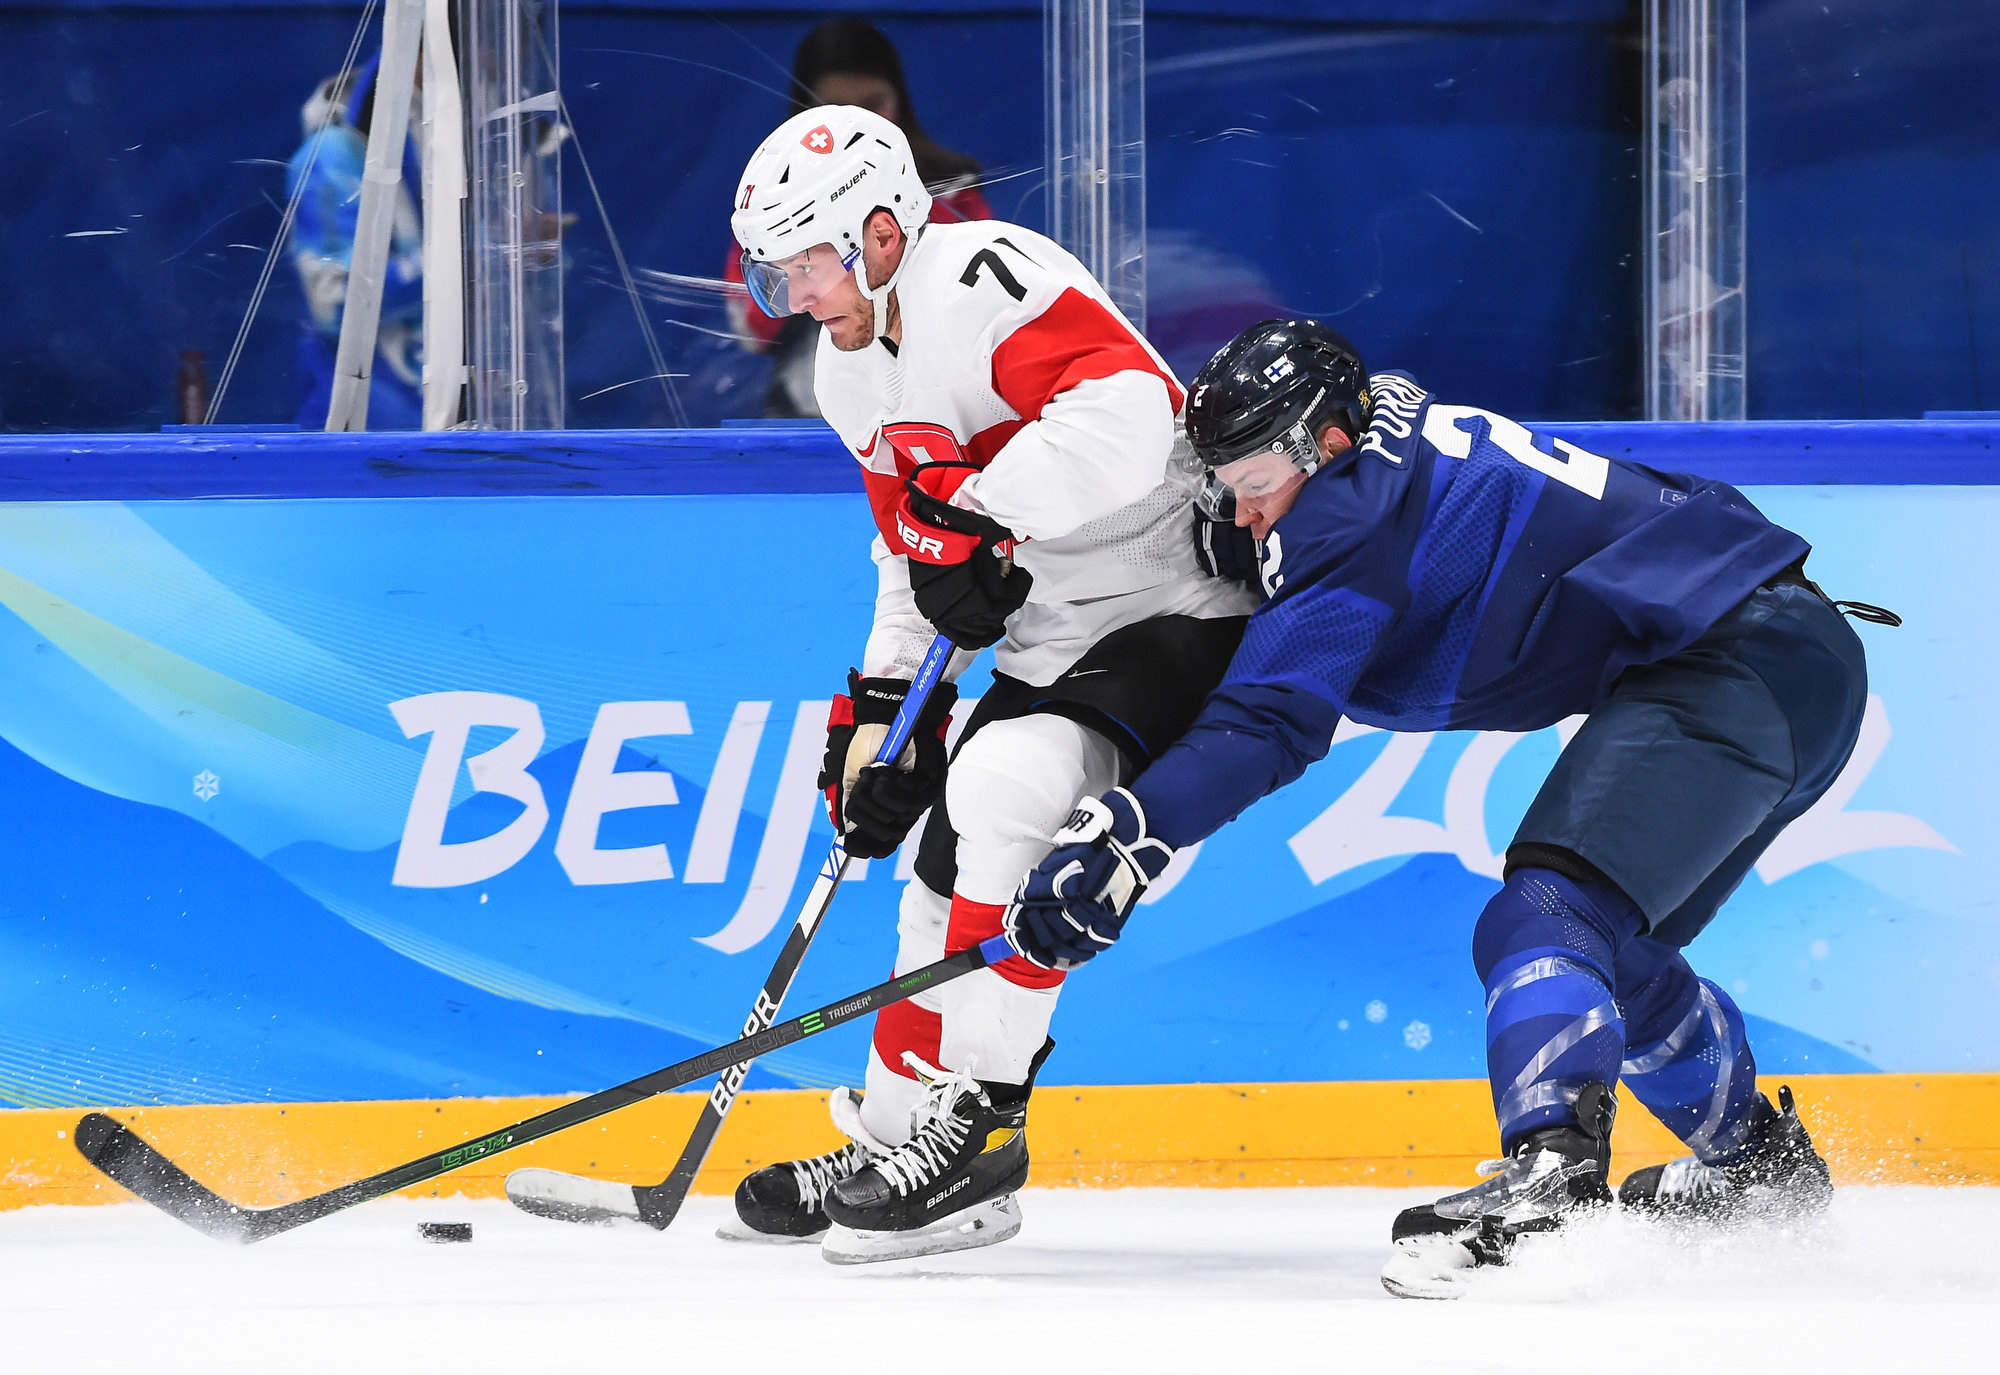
{"type": "Point", "coordinates": [402, 797]}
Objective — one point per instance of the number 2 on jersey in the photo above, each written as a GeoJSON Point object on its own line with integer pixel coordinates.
{"type": "Point", "coordinates": [1583, 470]}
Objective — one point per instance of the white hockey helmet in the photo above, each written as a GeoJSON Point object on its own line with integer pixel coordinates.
{"type": "Point", "coordinates": [816, 180]}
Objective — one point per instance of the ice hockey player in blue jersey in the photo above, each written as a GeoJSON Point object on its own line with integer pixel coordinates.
{"type": "Point", "coordinates": [1430, 566]}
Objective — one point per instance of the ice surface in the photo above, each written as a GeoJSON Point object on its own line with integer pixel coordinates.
{"type": "Point", "coordinates": [1138, 1280]}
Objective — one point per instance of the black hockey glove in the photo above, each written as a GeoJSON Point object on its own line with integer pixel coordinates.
{"type": "Point", "coordinates": [961, 569]}
{"type": "Point", "coordinates": [1227, 550]}
{"type": "Point", "coordinates": [873, 806]}
{"type": "Point", "coordinates": [1075, 902]}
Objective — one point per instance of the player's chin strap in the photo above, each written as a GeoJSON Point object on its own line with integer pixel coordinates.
{"type": "Point", "coordinates": [879, 296]}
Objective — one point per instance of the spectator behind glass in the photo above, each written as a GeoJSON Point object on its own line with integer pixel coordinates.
{"type": "Point", "coordinates": [848, 61]}
{"type": "Point", "coordinates": [336, 119]}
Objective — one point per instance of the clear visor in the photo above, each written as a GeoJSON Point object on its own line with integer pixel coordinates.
{"type": "Point", "coordinates": [791, 285]}
{"type": "Point", "coordinates": [1256, 474]}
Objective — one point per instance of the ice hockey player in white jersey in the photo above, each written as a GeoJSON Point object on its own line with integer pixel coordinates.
{"type": "Point", "coordinates": [1017, 441]}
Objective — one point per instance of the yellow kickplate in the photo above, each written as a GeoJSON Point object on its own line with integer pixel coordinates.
{"type": "Point", "coordinates": [1874, 1128]}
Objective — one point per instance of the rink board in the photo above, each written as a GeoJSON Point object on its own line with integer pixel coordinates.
{"type": "Point", "coordinates": [1874, 1129]}
{"type": "Point", "coordinates": [241, 678]}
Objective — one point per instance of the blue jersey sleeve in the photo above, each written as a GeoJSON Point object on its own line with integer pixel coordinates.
{"type": "Point", "coordinates": [1250, 739]}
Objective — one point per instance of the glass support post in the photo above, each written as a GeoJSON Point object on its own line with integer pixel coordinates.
{"type": "Point", "coordinates": [513, 213]}
{"type": "Point", "coordinates": [374, 221]}
{"type": "Point", "coordinates": [1094, 72]}
{"type": "Point", "coordinates": [1695, 193]}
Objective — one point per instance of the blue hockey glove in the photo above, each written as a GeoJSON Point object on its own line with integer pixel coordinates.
{"type": "Point", "coordinates": [1226, 550]}
{"type": "Point", "coordinates": [1075, 902]}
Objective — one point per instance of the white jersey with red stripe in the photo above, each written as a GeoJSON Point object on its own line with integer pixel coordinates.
{"type": "Point", "coordinates": [1012, 357]}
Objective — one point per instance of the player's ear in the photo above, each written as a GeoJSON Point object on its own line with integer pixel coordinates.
{"type": "Point", "coordinates": [1333, 441]}
{"type": "Point", "coordinates": [883, 231]}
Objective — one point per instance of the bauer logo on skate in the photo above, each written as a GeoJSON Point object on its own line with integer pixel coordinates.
{"type": "Point", "coordinates": [508, 785]}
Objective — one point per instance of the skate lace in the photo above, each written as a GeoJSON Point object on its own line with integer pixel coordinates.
{"type": "Point", "coordinates": [822, 1172]}
{"type": "Point", "coordinates": [1689, 1178]}
{"type": "Point", "coordinates": [940, 1130]}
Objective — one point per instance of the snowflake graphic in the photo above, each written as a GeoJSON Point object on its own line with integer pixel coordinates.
{"type": "Point", "coordinates": [206, 785]}
{"type": "Point", "coordinates": [1417, 1035]}
{"type": "Point", "coordinates": [1377, 1011]}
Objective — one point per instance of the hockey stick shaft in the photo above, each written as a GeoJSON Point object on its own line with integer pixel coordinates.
{"type": "Point", "coordinates": [660, 1203]}
{"type": "Point", "coordinates": [130, 1160]}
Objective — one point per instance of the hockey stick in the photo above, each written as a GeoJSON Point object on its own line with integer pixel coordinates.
{"type": "Point", "coordinates": [130, 1160]}
{"type": "Point", "coordinates": [577, 1198]}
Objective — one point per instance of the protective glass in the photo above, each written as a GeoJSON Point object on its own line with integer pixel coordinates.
{"type": "Point", "coordinates": [789, 285]}
{"type": "Point", "coordinates": [1258, 473]}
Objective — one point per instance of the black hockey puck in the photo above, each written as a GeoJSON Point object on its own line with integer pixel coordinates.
{"type": "Point", "coordinates": [445, 1231]}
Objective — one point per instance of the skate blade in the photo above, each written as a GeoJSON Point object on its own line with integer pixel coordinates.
{"type": "Point", "coordinates": [1429, 1268]}
{"type": "Point", "coordinates": [983, 1224]}
{"type": "Point", "coordinates": [735, 1229]}
{"type": "Point", "coordinates": [572, 1198]}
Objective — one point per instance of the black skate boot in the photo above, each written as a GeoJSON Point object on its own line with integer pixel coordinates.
{"type": "Point", "coordinates": [786, 1202]}
{"type": "Point", "coordinates": [1552, 1175]}
{"type": "Point", "coordinates": [950, 1187]}
{"type": "Point", "coordinates": [1782, 1179]}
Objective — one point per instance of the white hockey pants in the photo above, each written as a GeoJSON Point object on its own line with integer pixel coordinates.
{"type": "Point", "coordinates": [1010, 789]}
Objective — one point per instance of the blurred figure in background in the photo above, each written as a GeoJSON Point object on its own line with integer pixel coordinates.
{"type": "Point", "coordinates": [336, 121]}
{"type": "Point", "coordinates": [848, 61]}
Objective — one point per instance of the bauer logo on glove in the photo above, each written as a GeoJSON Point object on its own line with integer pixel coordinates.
{"type": "Point", "coordinates": [873, 805]}
{"type": "Point", "coordinates": [1076, 901]}
{"type": "Point", "coordinates": [961, 566]}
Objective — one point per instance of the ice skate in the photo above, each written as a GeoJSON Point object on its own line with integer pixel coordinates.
{"type": "Point", "coordinates": [1552, 1176]}
{"type": "Point", "coordinates": [785, 1204]}
{"type": "Point", "coordinates": [950, 1187]}
{"type": "Point", "coordinates": [1782, 1179]}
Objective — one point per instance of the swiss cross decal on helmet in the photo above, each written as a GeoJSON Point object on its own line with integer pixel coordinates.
{"type": "Point", "coordinates": [814, 181]}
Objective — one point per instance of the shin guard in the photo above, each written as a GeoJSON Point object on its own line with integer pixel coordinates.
{"type": "Point", "coordinates": [1545, 949]}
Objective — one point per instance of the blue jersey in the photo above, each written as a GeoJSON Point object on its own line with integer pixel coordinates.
{"type": "Point", "coordinates": [1454, 570]}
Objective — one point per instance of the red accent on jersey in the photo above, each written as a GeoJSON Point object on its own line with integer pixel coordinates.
{"type": "Point", "coordinates": [972, 922]}
{"type": "Point", "coordinates": [913, 442]}
{"type": "Point", "coordinates": [910, 442]}
{"type": "Point", "coordinates": [991, 441]}
{"type": "Point", "coordinates": [1075, 340]}
{"type": "Point", "coordinates": [905, 1026]}
{"type": "Point", "coordinates": [885, 496]}
{"type": "Point", "coordinates": [917, 441]}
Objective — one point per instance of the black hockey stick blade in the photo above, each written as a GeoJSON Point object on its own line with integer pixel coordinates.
{"type": "Point", "coordinates": [579, 1198]}
{"type": "Point", "coordinates": [128, 1158]}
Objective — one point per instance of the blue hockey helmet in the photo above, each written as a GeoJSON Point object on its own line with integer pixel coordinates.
{"type": "Point", "coordinates": [1271, 390]}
